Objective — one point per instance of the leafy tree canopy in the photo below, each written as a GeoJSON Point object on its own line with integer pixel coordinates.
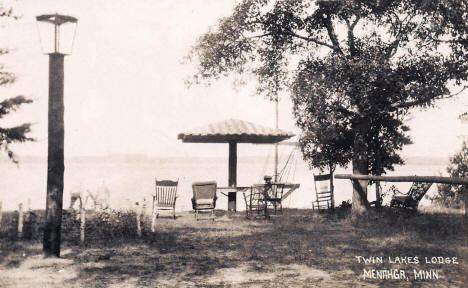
{"type": "Point", "coordinates": [370, 59]}
{"type": "Point", "coordinates": [354, 67]}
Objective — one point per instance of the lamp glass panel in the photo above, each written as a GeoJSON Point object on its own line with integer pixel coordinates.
{"type": "Point", "coordinates": [65, 37]}
{"type": "Point", "coordinates": [46, 36]}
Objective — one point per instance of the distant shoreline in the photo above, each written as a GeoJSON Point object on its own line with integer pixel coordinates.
{"type": "Point", "coordinates": [410, 160]}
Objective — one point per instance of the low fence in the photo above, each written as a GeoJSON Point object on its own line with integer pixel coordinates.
{"type": "Point", "coordinates": [78, 225]}
{"type": "Point", "coordinates": [432, 179]}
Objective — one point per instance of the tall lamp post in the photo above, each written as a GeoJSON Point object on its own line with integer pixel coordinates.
{"type": "Point", "coordinates": [57, 33]}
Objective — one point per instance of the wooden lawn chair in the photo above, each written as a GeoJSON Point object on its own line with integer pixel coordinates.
{"type": "Point", "coordinates": [255, 202]}
{"type": "Point", "coordinates": [410, 200]}
{"type": "Point", "coordinates": [204, 198]}
{"type": "Point", "coordinates": [275, 196]}
{"type": "Point", "coordinates": [164, 198]}
{"type": "Point", "coordinates": [324, 193]}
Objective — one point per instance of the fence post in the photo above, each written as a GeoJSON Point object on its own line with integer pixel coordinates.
{"type": "Point", "coordinates": [465, 218]}
{"type": "Point", "coordinates": [138, 219]}
{"type": "Point", "coordinates": [153, 217]}
{"type": "Point", "coordinates": [20, 220]}
{"type": "Point", "coordinates": [28, 210]}
{"type": "Point", "coordinates": [82, 223]}
{"type": "Point", "coordinates": [1, 213]}
{"type": "Point", "coordinates": [378, 195]}
{"type": "Point", "coordinates": [28, 205]}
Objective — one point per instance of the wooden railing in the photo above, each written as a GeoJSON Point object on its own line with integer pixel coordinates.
{"type": "Point", "coordinates": [433, 179]}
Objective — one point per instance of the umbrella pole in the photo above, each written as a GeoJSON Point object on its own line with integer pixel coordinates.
{"type": "Point", "coordinates": [232, 179]}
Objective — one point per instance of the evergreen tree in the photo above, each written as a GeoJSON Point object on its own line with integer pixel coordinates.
{"type": "Point", "coordinates": [17, 134]}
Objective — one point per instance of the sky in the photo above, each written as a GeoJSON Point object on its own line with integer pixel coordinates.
{"type": "Point", "coordinates": [124, 83]}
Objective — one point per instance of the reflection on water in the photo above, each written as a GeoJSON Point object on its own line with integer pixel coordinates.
{"type": "Point", "coordinates": [131, 181]}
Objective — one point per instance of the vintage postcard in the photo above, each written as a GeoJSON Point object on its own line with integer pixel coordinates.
{"type": "Point", "coordinates": [233, 143]}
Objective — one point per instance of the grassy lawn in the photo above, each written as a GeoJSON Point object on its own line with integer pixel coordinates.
{"type": "Point", "coordinates": [296, 249]}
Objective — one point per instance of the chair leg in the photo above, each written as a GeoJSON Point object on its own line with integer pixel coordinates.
{"type": "Point", "coordinates": [212, 215]}
{"type": "Point", "coordinates": [173, 213]}
{"type": "Point", "coordinates": [153, 222]}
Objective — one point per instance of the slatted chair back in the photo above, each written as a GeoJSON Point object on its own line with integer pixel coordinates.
{"type": "Point", "coordinates": [323, 191]}
{"type": "Point", "coordinates": [166, 192]}
{"type": "Point", "coordinates": [275, 190]}
{"type": "Point", "coordinates": [204, 190]}
{"type": "Point", "coordinates": [418, 190]}
{"type": "Point", "coordinates": [255, 201]}
{"type": "Point", "coordinates": [275, 196]}
{"type": "Point", "coordinates": [258, 192]}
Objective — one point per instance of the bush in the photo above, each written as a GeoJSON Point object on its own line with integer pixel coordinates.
{"type": "Point", "coordinates": [111, 225]}
{"type": "Point", "coordinates": [344, 209]}
{"type": "Point", "coordinates": [108, 225]}
{"type": "Point", "coordinates": [345, 205]}
{"type": "Point", "coordinates": [451, 195]}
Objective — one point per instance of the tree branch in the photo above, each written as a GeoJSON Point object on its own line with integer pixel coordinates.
{"type": "Point", "coordinates": [409, 103]}
{"type": "Point", "coordinates": [257, 36]}
{"type": "Point", "coordinates": [355, 22]}
{"type": "Point", "coordinates": [461, 41]}
{"type": "Point", "coordinates": [394, 45]}
{"type": "Point", "coordinates": [423, 101]}
{"type": "Point", "coordinates": [351, 44]}
{"type": "Point", "coordinates": [455, 94]}
{"type": "Point", "coordinates": [331, 33]}
{"type": "Point", "coordinates": [312, 40]}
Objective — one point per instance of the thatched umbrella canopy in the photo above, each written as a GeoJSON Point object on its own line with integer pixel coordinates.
{"type": "Point", "coordinates": [234, 131]}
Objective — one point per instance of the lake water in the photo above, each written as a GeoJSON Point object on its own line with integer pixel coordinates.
{"type": "Point", "coordinates": [132, 180]}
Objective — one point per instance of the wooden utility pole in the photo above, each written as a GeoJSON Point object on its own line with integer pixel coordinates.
{"type": "Point", "coordinates": [232, 176]}
{"type": "Point", "coordinates": [55, 155]}
{"type": "Point", "coordinates": [275, 178]}
{"type": "Point", "coordinates": [55, 160]}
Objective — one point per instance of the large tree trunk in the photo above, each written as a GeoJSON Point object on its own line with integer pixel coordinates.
{"type": "Point", "coordinates": [378, 193]}
{"type": "Point", "coordinates": [331, 168]}
{"type": "Point", "coordinates": [361, 167]}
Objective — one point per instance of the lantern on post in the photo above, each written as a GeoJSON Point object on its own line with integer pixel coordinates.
{"type": "Point", "coordinates": [57, 33]}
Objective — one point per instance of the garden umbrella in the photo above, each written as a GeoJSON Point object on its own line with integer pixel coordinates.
{"type": "Point", "coordinates": [234, 131]}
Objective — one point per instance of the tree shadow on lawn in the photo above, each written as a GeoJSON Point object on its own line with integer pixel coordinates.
{"type": "Point", "coordinates": [192, 254]}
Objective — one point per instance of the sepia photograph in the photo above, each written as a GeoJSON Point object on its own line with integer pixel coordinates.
{"type": "Point", "coordinates": [233, 143]}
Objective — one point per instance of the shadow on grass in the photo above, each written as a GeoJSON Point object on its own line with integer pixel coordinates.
{"type": "Point", "coordinates": [192, 253]}
{"type": "Point", "coordinates": [187, 251]}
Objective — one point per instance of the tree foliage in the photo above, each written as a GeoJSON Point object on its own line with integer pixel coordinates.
{"type": "Point", "coordinates": [354, 67]}
{"type": "Point", "coordinates": [452, 195]}
{"type": "Point", "coordinates": [16, 134]}
{"type": "Point", "coordinates": [325, 138]}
